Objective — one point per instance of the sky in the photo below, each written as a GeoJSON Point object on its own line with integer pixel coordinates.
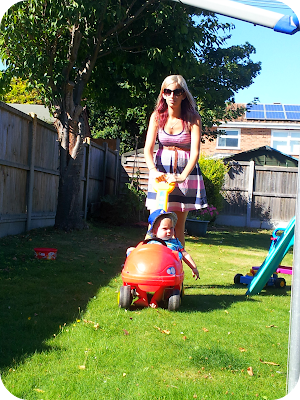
{"type": "Point", "coordinates": [279, 54]}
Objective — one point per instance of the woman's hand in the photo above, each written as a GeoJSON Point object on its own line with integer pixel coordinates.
{"type": "Point", "coordinates": [174, 178]}
{"type": "Point", "coordinates": [158, 176]}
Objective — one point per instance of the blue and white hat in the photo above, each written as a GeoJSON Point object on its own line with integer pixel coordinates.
{"type": "Point", "coordinates": [157, 213]}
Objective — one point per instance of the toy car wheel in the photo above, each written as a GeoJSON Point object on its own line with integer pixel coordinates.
{"type": "Point", "coordinates": [125, 297]}
{"type": "Point", "coordinates": [280, 283]}
{"type": "Point", "coordinates": [237, 279]}
{"type": "Point", "coordinates": [182, 291]}
{"type": "Point", "coordinates": [174, 301]}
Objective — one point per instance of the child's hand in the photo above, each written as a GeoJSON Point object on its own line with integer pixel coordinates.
{"type": "Point", "coordinates": [195, 273]}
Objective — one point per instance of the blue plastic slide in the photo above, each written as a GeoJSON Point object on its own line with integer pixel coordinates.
{"type": "Point", "coordinates": [276, 254]}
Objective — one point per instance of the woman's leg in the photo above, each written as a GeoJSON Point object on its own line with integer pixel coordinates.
{"type": "Point", "coordinates": [180, 226]}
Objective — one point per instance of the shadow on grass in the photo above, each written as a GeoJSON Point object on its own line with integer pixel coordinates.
{"type": "Point", "coordinates": [209, 302]}
{"type": "Point", "coordinates": [247, 239]}
{"type": "Point", "coordinates": [38, 297]}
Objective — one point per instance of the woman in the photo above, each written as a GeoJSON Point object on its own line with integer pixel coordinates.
{"type": "Point", "coordinates": [177, 125]}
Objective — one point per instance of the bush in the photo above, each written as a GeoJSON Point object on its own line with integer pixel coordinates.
{"type": "Point", "coordinates": [127, 208]}
{"type": "Point", "coordinates": [213, 171]}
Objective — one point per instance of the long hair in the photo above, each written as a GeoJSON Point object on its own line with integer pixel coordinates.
{"type": "Point", "coordinates": [188, 105]}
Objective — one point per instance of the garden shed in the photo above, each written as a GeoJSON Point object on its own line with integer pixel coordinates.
{"type": "Point", "coordinates": [265, 155]}
{"type": "Point", "coordinates": [259, 189]}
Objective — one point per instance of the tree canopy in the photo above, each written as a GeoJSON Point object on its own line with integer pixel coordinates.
{"type": "Point", "coordinates": [116, 54]}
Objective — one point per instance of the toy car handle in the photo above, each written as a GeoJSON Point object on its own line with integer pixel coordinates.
{"type": "Point", "coordinates": [155, 239]}
{"type": "Point", "coordinates": [163, 188]}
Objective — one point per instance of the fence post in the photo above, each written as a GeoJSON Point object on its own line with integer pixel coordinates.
{"type": "Point", "coordinates": [116, 171]}
{"type": "Point", "coordinates": [117, 167]}
{"type": "Point", "coordinates": [104, 167]}
{"type": "Point", "coordinates": [250, 192]}
{"type": "Point", "coordinates": [31, 157]}
{"type": "Point", "coordinates": [87, 176]}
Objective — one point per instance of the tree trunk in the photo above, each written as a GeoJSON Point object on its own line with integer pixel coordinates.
{"type": "Point", "coordinates": [71, 129]}
{"type": "Point", "coordinates": [69, 206]}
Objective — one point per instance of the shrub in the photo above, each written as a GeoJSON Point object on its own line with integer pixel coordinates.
{"type": "Point", "coordinates": [213, 171]}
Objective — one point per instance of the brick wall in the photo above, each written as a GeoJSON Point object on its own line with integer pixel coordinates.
{"type": "Point", "coordinates": [251, 138]}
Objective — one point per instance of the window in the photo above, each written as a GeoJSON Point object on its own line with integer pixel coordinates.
{"type": "Point", "coordinates": [287, 142]}
{"type": "Point", "coordinates": [229, 140]}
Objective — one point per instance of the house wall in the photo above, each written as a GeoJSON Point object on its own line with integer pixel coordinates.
{"type": "Point", "coordinates": [250, 139]}
{"type": "Point", "coordinates": [253, 134]}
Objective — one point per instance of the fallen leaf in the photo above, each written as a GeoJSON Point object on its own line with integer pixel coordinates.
{"type": "Point", "coordinates": [267, 362]}
{"type": "Point", "coordinates": [95, 324]}
{"type": "Point", "coordinates": [81, 366]}
{"type": "Point", "coordinates": [250, 371]}
{"type": "Point", "coordinates": [184, 338]}
{"type": "Point", "coordinates": [101, 270]}
{"type": "Point", "coordinates": [166, 331]}
{"type": "Point", "coordinates": [242, 350]}
{"type": "Point", "coordinates": [90, 283]}
{"type": "Point", "coordinates": [39, 390]}
{"type": "Point", "coordinates": [205, 329]}
{"type": "Point", "coordinates": [125, 332]}
{"type": "Point", "coordinates": [271, 326]}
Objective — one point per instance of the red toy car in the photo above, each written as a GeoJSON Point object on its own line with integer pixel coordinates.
{"type": "Point", "coordinates": [149, 267]}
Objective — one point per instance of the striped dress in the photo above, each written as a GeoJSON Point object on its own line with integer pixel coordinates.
{"type": "Point", "coordinates": [188, 195]}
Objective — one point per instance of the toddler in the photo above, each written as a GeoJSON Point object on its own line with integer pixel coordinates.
{"type": "Point", "coordinates": [162, 225]}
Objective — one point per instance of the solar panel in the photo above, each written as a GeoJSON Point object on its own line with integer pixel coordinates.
{"type": "Point", "coordinates": [273, 112]}
{"type": "Point", "coordinates": [292, 108]}
{"type": "Point", "coordinates": [255, 115]}
{"type": "Point", "coordinates": [274, 107]}
{"type": "Point", "coordinates": [256, 107]}
{"type": "Point", "coordinates": [293, 115]}
{"type": "Point", "coordinates": [275, 115]}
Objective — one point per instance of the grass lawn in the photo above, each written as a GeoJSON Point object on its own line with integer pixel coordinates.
{"type": "Point", "coordinates": [63, 335]}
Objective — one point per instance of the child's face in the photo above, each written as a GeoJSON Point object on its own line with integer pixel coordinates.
{"type": "Point", "coordinates": [165, 229]}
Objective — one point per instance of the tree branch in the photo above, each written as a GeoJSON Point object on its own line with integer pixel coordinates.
{"type": "Point", "coordinates": [86, 70]}
{"type": "Point", "coordinates": [76, 36]}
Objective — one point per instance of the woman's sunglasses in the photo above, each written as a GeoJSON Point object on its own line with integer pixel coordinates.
{"type": "Point", "coordinates": [176, 92]}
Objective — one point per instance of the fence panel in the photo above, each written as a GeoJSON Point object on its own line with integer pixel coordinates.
{"type": "Point", "coordinates": [235, 189]}
{"type": "Point", "coordinates": [29, 174]}
{"type": "Point", "coordinates": [272, 195]}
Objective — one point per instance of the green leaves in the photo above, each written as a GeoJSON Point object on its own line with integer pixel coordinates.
{"type": "Point", "coordinates": [122, 53]}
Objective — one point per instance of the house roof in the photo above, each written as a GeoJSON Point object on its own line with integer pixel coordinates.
{"type": "Point", "coordinates": [276, 112]}
{"type": "Point", "coordinates": [41, 111]}
{"type": "Point", "coordinates": [264, 155]}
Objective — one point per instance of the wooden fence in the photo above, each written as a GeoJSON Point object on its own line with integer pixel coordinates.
{"type": "Point", "coordinates": [134, 166]}
{"type": "Point", "coordinates": [254, 196]}
{"type": "Point", "coordinates": [29, 172]}
{"type": "Point", "coordinates": [258, 196]}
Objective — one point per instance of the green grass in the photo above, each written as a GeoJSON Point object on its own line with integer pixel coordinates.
{"type": "Point", "coordinates": [64, 337]}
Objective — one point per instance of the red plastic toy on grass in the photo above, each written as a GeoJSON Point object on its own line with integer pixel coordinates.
{"type": "Point", "coordinates": [148, 268]}
{"type": "Point", "coordinates": [153, 266]}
